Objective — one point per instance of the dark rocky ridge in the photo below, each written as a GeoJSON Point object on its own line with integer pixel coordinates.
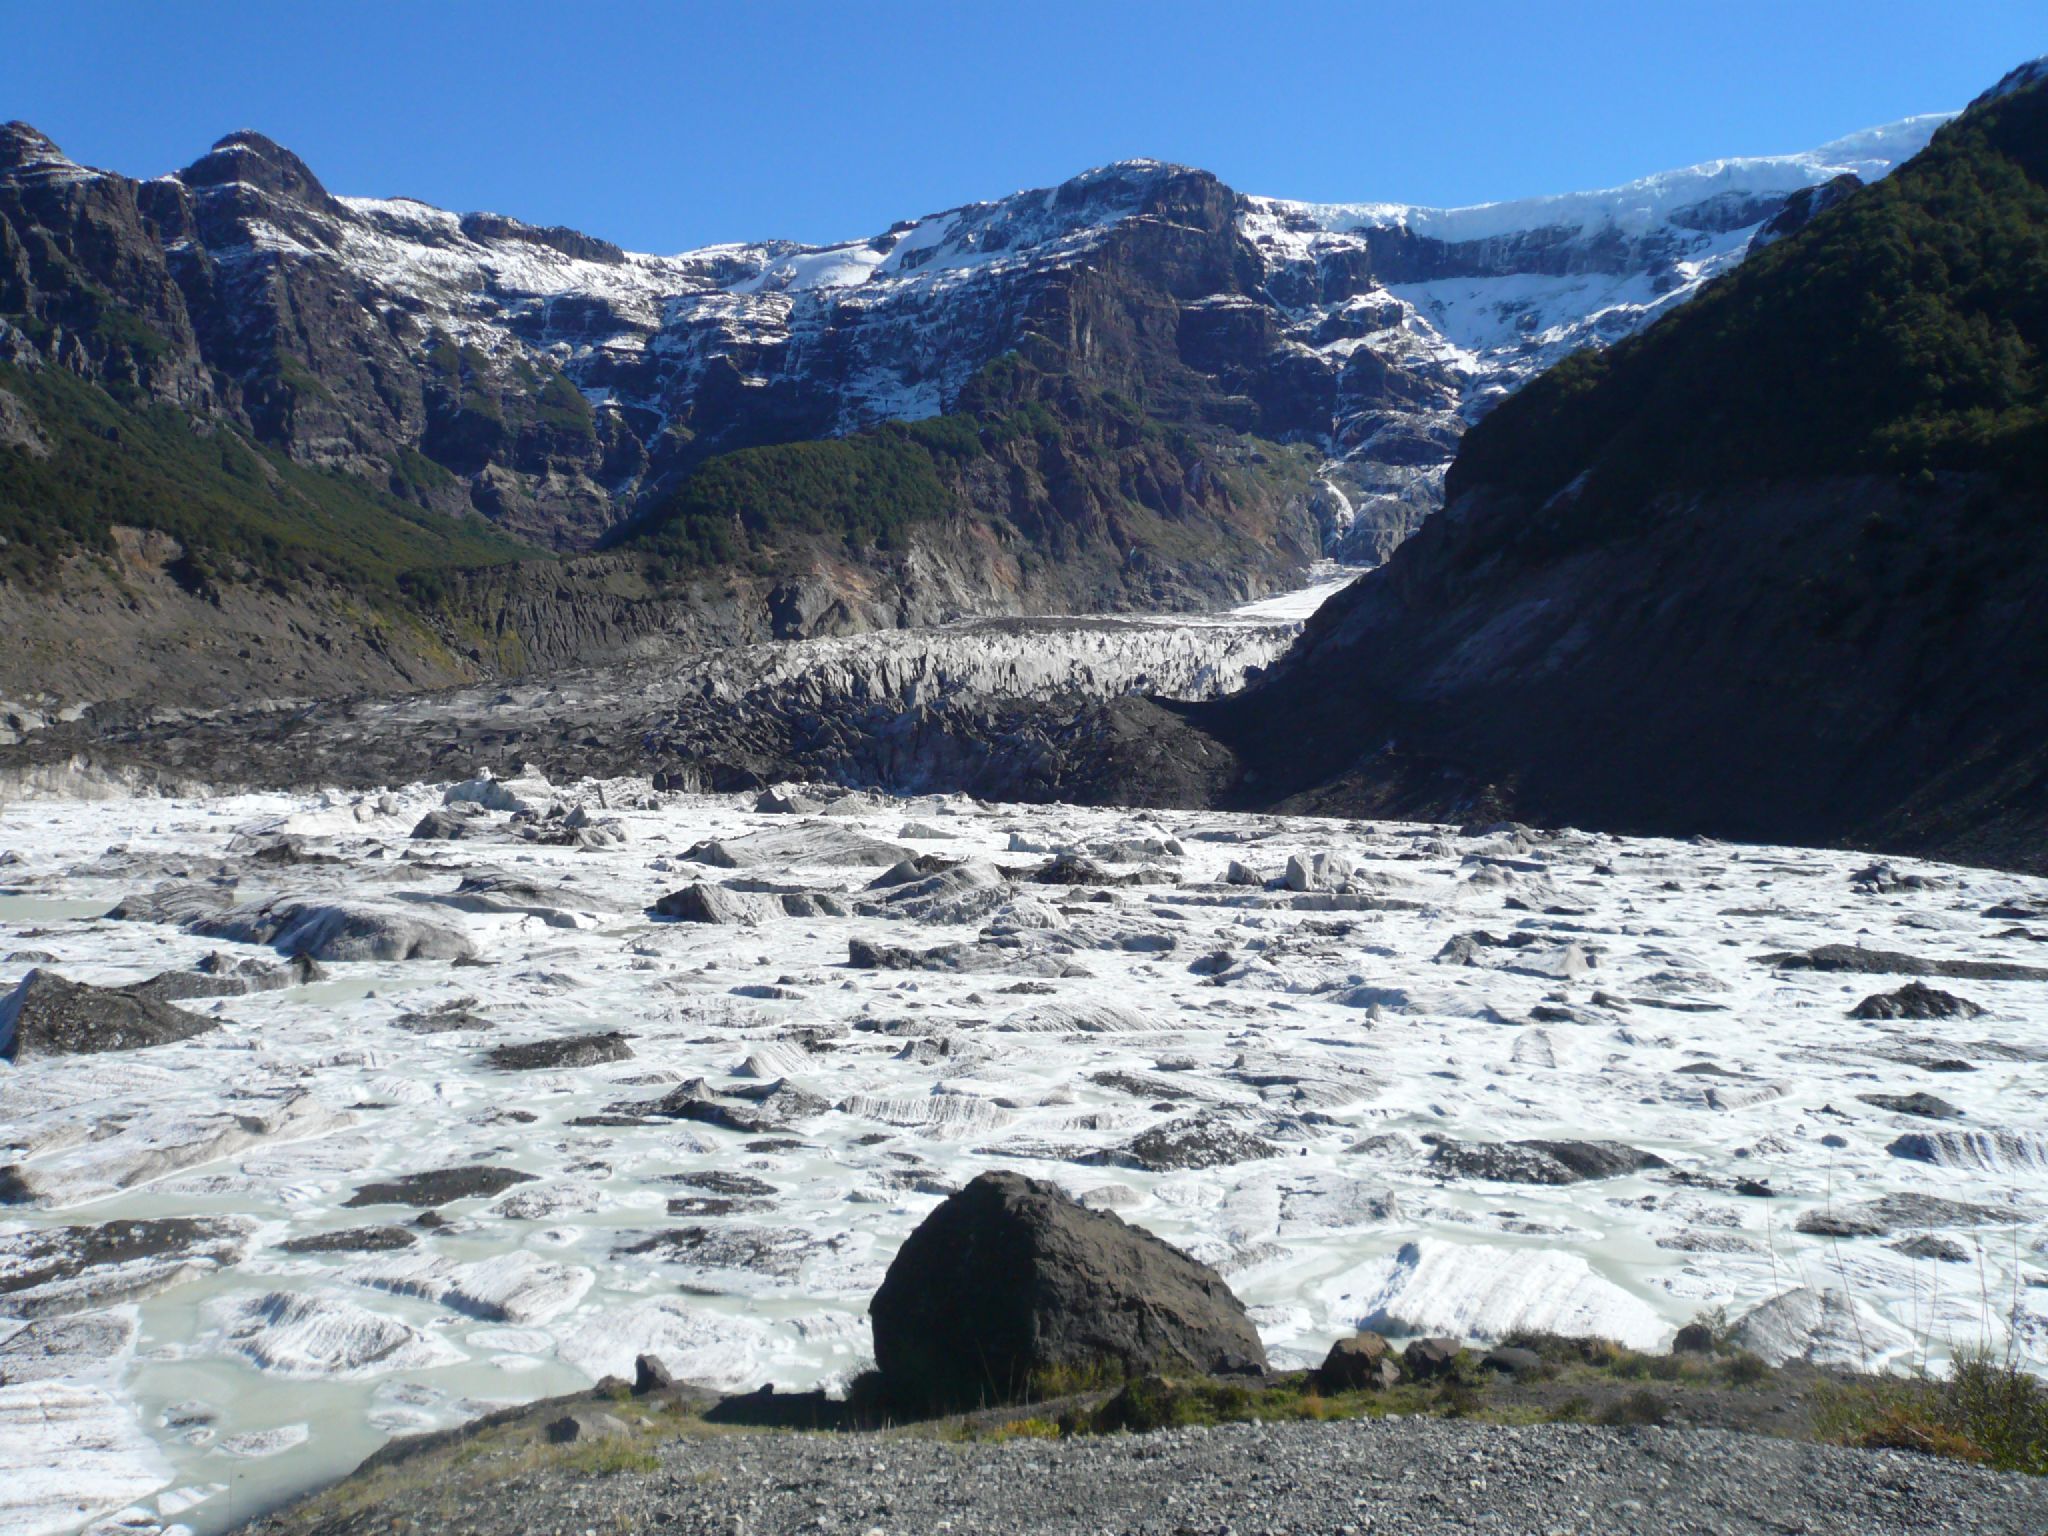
{"type": "Point", "coordinates": [239, 287]}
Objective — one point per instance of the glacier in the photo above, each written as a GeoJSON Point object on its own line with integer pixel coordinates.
{"type": "Point", "coordinates": [1255, 1036]}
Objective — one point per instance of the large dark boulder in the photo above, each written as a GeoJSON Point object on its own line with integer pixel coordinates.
{"type": "Point", "coordinates": [1431, 1359]}
{"type": "Point", "coordinates": [48, 1016]}
{"type": "Point", "coordinates": [1009, 1281]}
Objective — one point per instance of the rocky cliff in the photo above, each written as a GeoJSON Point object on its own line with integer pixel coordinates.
{"type": "Point", "coordinates": [559, 384]}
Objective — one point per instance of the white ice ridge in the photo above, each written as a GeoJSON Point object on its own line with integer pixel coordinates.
{"type": "Point", "coordinates": [1634, 207]}
{"type": "Point", "coordinates": [1180, 657]}
{"type": "Point", "coordinates": [1302, 1049]}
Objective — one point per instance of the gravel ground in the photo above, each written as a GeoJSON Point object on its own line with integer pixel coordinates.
{"type": "Point", "coordinates": [1415, 1477]}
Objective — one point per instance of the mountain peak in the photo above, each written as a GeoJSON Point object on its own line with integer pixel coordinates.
{"type": "Point", "coordinates": [2030, 73]}
{"type": "Point", "coordinates": [23, 145]}
{"type": "Point", "coordinates": [250, 157]}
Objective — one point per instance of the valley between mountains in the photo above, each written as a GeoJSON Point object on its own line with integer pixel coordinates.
{"type": "Point", "coordinates": [1482, 772]}
{"type": "Point", "coordinates": [259, 441]}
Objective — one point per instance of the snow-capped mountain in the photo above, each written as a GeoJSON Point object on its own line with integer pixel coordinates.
{"type": "Point", "coordinates": [559, 384]}
{"type": "Point", "coordinates": [1475, 301]}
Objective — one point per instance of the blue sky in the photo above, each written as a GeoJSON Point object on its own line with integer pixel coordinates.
{"type": "Point", "coordinates": [666, 126]}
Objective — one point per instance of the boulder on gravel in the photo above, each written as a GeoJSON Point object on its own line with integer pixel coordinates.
{"type": "Point", "coordinates": [1694, 1339]}
{"type": "Point", "coordinates": [1009, 1280]}
{"type": "Point", "coordinates": [1363, 1362]}
{"type": "Point", "coordinates": [650, 1375]}
{"type": "Point", "coordinates": [45, 1015]}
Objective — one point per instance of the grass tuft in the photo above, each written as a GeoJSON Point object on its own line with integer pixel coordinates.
{"type": "Point", "coordinates": [1984, 1410]}
{"type": "Point", "coordinates": [605, 1458]}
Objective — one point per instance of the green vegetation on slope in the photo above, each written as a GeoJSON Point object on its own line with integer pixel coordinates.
{"type": "Point", "coordinates": [867, 489]}
{"type": "Point", "coordinates": [229, 503]}
{"type": "Point", "coordinates": [1984, 1410]}
{"type": "Point", "coordinates": [1901, 332]}
{"type": "Point", "coordinates": [1082, 447]}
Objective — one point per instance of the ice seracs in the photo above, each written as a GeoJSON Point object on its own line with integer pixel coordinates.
{"type": "Point", "coordinates": [1476, 1291]}
{"type": "Point", "coordinates": [68, 1453]}
{"type": "Point", "coordinates": [323, 1335]}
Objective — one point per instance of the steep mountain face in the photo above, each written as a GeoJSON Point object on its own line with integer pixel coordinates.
{"type": "Point", "coordinates": [1415, 322]}
{"type": "Point", "coordinates": [560, 385]}
{"type": "Point", "coordinates": [1776, 568]}
{"type": "Point", "coordinates": [1139, 389]}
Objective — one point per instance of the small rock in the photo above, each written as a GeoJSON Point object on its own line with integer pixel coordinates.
{"type": "Point", "coordinates": [700, 904]}
{"type": "Point", "coordinates": [1431, 1359]}
{"type": "Point", "coordinates": [650, 1375]}
{"type": "Point", "coordinates": [1924, 1105]}
{"type": "Point", "coordinates": [571, 1428]}
{"type": "Point", "coordinates": [1693, 1339]}
{"type": "Point", "coordinates": [1363, 1361]}
{"type": "Point", "coordinates": [1915, 1000]}
{"type": "Point", "coordinates": [1944, 1250]}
